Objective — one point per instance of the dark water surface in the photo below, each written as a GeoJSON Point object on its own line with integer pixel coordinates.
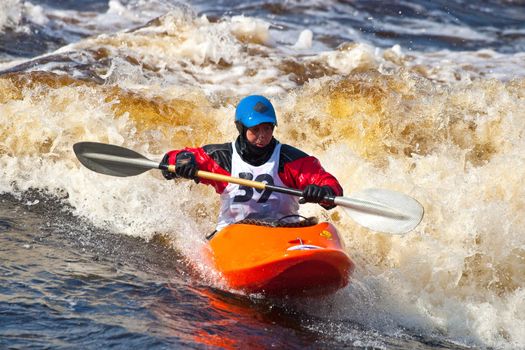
{"type": "Point", "coordinates": [415, 25]}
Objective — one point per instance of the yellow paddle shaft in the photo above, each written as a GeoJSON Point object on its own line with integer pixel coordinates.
{"type": "Point", "coordinates": [219, 177]}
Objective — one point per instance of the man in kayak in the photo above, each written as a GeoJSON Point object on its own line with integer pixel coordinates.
{"type": "Point", "coordinates": [256, 155]}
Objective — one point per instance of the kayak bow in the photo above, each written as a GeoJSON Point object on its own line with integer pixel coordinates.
{"type": "Point", "coordinates": [277, 261]}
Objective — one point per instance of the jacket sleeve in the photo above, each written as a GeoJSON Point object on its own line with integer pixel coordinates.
{"type": "Point", "coordinates": [305, 171]}
{"type": "Point", "coordinates": [204, 162]}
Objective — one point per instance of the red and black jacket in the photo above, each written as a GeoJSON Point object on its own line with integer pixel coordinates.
{"type": "Point", "coordinates": [296, 168]}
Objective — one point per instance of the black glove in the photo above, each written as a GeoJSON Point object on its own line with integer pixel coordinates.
{"type": "Point", "coordinates": [186, 166]}
{"type": "Point", "coordinates": [315, 194]}
{"type": "Point", "coordinates": [168, 175]}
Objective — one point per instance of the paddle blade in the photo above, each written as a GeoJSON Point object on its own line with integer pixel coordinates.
{"type": "Point", "coordinates": [112, 160]}
{"type": "Point", "coordinates": [383, 210]}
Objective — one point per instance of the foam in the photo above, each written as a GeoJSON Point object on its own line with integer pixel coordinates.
{"type": "Point", "coordinates": [10, 14]}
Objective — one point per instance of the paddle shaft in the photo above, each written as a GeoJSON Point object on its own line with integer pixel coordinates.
{"type": "Point", "coordinates": [360, 205]}
{"type": "Point", "coordinates": [355, 204]}
{"type": "Point", "coordinates": [244, 182]}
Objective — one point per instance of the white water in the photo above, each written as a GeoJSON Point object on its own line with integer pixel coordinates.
{"type": "Point", "coordinates": [442, 127]}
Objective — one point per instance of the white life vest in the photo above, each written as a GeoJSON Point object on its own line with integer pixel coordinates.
{"type": "Point", "coordinates": [242, 202]}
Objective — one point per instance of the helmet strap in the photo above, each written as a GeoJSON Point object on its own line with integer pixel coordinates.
{"type": "Point", "coordinates": [241, 128]}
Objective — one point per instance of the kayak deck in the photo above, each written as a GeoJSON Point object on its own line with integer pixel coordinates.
{"type": "Point", "coordinates": [291, 261]}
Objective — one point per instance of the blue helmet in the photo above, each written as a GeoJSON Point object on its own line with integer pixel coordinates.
{"type": "Point", "coordinates": [254, 110]}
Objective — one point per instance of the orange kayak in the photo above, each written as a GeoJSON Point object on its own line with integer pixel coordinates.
{"type": "Point", "coordinates": [277, 261]}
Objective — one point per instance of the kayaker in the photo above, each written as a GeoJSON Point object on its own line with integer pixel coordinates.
{"type": "Point", "coordinates": [256, 155]}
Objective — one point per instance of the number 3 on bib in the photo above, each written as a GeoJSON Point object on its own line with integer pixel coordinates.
{"type": "Point", "coordinates": [249, 191]}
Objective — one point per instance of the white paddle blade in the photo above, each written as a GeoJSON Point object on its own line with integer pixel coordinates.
{"type": "Point", "coordinates": [383, 210]}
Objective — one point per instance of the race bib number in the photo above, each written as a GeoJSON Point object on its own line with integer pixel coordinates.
{"type": "Point", "coordinates": [249, 192]}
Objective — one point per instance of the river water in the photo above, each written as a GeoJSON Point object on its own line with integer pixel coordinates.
{"type": "Point", "coordinates": [426, 98]}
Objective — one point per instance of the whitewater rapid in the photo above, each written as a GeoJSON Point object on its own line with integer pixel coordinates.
{"type": "Point", "coordinates": [445, 127]}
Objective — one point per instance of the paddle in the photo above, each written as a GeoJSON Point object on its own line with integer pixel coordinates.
{"type": "Point", "coordinates": [377, 209]}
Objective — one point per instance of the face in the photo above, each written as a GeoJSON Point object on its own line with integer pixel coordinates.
{"type": "Point", "coordinates": [260, 135]}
